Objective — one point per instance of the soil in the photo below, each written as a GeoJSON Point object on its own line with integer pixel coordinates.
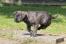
{"type": "Point", "coordinates": [16, 37]}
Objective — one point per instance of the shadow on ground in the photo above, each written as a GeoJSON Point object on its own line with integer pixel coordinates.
{"type": "Point", "coordinates": [40, 34]}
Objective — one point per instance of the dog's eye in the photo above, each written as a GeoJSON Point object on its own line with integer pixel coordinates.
{"type": "Point", "coordinates": [17, 15]}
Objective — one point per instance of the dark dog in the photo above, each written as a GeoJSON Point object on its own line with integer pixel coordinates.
{"type": "Point", "coordinates": [35, 20]}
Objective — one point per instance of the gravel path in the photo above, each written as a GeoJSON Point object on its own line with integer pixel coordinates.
{"type": "Point", "coordinates": [16, 37]}
{"type": "Point", "coordinates": [7, 41]}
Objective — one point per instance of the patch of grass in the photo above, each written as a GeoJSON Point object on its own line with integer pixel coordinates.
{"type": "Point", "coordinates": [8, 23]}
{"type": "Point", "coordinates": [58, 26]}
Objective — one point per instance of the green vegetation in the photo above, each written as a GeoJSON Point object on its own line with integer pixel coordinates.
{"type": "Point", "coordinates": [58, 25]}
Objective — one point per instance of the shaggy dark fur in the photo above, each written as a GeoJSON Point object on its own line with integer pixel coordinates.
{"type": "Point", "coordinates": [35, 20]}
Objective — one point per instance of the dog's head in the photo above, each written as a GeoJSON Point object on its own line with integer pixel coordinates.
{"type": "Point", "coordinates": [19, 16]}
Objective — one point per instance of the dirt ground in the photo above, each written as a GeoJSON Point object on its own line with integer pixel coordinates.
{"type": "Point", "coordinates": [15, 37]}
{"type": "Point", "coordinates": [7, 41]}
